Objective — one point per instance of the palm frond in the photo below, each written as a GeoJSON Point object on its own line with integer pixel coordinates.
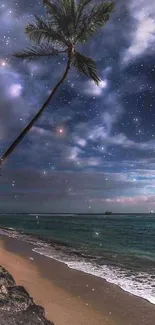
{"type": "Point", "coordinates": [86, 65]}
{"type": "Point", "coordinates": [43, 31]}
{"type": "Point", "coordinates": [64, 14]}
{"type": "Point", "coordinates": [101, 13]}
{"type": "Point", "coordinates": [35, 52]}
{"type": "Point", "coordinates": [94, 20]}
{"type": "Point", "coordinates": [81, 7]}
{"type": "Point", "coordinates": [58, 14]}
{"type": "Point", "coordinates": [74, 8]}
{"type": "Point", "coordinates": [69, 7]}
{"type": "Point", "coordinates": [53, 8]}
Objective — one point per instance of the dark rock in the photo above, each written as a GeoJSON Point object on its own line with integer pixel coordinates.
{"type": "Point", "coordinates": [26, 317]}
{"type": "Point", "coordinates": [16, 299]}
{"type": "Point", "coordinates": [40, 311]}
{"type": "Point", "coordinates": [6, 278]}
{"type": "Point", "coordinates": [16, 306]}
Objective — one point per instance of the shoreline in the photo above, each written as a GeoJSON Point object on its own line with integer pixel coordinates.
{"type": "Point", "coordinates": [60, 251]}
{"type": "Point", "coordinates": [79, 298]}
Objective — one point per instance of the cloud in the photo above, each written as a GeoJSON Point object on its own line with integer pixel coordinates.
{"type": "Point", "coordinates": [74, 153]}
{"type": "Point", "coordinates": [97, 159]}
{"type": "Point", "coordinates": [92, 89]}
{"type": "Point", "coordinates": [122, 140]}
{"type": "Point", "coordinates": [75, 156]}
{"type": "Point", "coordinates": [131, 200]}
{"type": "Point", "coordinates": [80, 141]}
{"type": "Point", "coordinates": [15, 90]}
{"type": "Point", "coordinates": [142, 35]}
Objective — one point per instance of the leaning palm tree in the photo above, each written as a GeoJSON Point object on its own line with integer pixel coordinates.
{"type": "Point", "coordinates": [67, 24]}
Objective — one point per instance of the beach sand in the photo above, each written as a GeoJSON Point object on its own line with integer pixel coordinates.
{"type": "Point", "coordinates": [71, 297]}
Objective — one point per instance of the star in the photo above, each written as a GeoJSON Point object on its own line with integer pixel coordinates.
{"type": "Point", "coordinates": [3, 63]}
{"type": "Point", "coordinates": [94, 143]}
{"type": "Point", "coordinates": [61, 131]}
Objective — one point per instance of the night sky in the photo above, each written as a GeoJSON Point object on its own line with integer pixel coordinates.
{"type": "Point", "coordinates": [94, 148]}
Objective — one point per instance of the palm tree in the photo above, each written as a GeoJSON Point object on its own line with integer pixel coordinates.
{"type": "Point", "coordinates": [68, 23]}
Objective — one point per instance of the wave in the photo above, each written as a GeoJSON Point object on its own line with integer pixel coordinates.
{"type": "Point", "coordinates": [138, 283]}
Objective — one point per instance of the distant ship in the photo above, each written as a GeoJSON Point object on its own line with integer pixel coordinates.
{"type": "Point", "coordinates": [107, 213]}
{"type": "Point", "coordinates": [151, 212]}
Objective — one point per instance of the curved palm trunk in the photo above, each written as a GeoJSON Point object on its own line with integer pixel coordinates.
{"type": "Point", "coordinates": [29, 126]}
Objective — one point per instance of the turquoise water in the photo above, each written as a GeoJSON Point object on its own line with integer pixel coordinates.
{"type": "Point", "coordinates": [118, 248]}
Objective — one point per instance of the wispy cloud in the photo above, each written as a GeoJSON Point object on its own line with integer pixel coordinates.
{"type": "Point", "coordinates": [92, 89]}
{"type": "Point", "coordinates": [136, 200]}
{"type": "Point", "coordinates": [142, 34]}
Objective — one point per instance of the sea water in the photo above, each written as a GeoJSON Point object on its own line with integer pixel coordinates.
{"type": "Point", "coordinates": [118, 248]}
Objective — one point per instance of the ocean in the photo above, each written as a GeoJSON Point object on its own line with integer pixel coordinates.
{"type": "Point", "coordinates": [118, 248]}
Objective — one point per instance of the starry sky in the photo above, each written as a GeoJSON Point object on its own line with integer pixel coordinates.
{"type": "Point", "coordinates": [94, 148]}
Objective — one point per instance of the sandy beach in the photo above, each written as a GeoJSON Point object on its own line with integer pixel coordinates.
{"type": "Point", "coordinates": [71, 297]}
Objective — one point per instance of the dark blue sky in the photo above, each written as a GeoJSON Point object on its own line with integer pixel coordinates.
{"type": "Point", "coordinates": [94, 148]}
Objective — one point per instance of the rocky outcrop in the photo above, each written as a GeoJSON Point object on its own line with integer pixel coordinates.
{"type": "Point", "coordinates": [16, 306]}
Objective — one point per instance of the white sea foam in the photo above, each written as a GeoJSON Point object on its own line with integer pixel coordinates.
{"type": "Point", "coordinates": [140, 284]}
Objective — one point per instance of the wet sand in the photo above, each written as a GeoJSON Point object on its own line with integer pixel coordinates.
{"type": "Point", "coordinates": [72, 297]}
